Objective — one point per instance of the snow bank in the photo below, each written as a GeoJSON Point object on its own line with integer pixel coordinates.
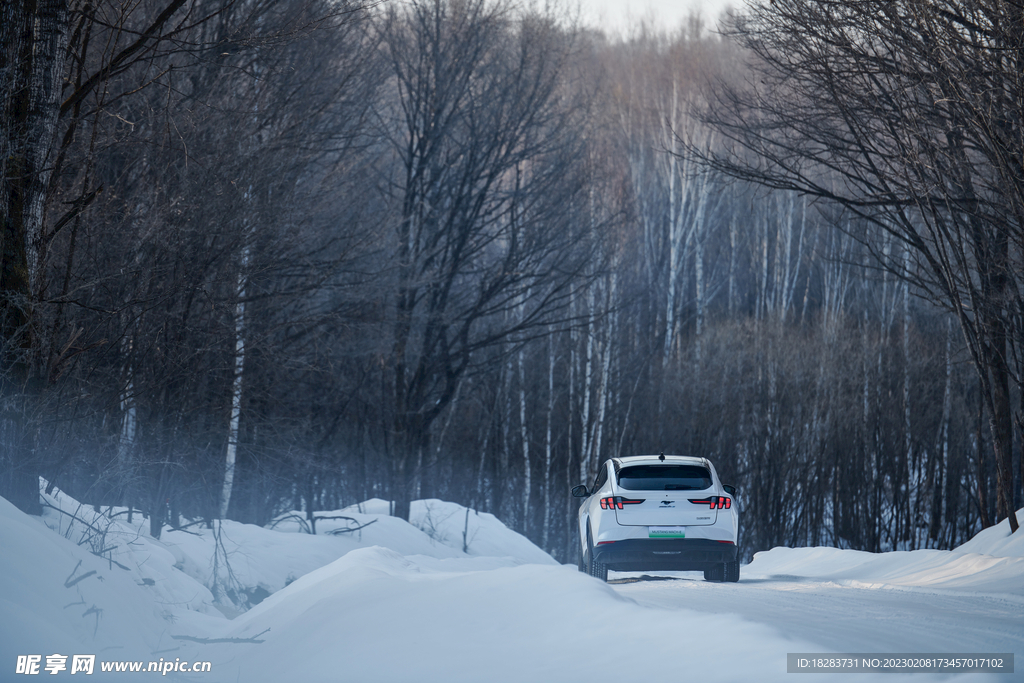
{"type": "Point", "coordinates": [453, 526]}
{"type": "Point", "coordinates": [377, 616]}
{"type": "Point", "coordinates": [262, 561]}
{"type": "Point", "coordinates": [990, 563]}
{"type": "Point", "coordinates": [240, 564]}
{"type": "Point", "coordinates": [128, 547]}
{"type": "Point", "coordinates": [57, 597]}
{"type": "Point", "coordinates": [485, 535]}
{"type": "Point", "coordinates": [78, 581]}
{"type": "Point", "coordinates": [997, 540]}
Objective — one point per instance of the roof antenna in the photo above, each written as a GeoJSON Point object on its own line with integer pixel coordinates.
{"type": "Point", "coordinates": [662, 456]}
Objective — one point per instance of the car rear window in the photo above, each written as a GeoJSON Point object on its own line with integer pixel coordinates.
{"type": "Point", "coordinates": [664, 478]}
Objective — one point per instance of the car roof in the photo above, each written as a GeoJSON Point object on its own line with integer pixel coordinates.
{"type": "Point", "coordinates": [656, 460]}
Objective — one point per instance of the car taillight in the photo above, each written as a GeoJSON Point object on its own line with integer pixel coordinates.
{"type": "Point", "coordinates": [714, 502]}
{"type": "Point", "coordinates": [613, 502]}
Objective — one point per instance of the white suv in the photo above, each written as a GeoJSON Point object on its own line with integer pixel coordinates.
{"type": "Point", "coordinates": [652, 512]}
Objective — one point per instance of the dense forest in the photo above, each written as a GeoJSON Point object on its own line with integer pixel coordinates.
{"type": "Point", "coordinates": [266, 256]}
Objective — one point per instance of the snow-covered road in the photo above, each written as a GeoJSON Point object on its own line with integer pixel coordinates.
{"type": "Point", "coordinates": [845, 618]}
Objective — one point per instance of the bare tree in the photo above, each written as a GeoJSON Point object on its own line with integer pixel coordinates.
{"type": "Point", "coordinates": [899, 113]}
{"type": "Point", "coordinates": [150, 93]}
{"type": "Point", "coordinates": [488, 171]}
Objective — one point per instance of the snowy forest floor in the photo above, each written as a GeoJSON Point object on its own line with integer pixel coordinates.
{"type": "Point", "coordinates": [393, 601]}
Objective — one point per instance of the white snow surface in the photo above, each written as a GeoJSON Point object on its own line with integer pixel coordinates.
{"type": "Point", "coordinates": [394, 601]}
{"type": "Point", "coordinates": [990, 563]}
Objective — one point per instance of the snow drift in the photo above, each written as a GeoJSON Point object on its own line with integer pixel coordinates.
{"type": "Point", "coordinates": [990, 563]}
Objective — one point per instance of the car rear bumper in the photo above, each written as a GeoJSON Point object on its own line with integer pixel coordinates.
{"type": "Point", "coordinates": [674, 554]}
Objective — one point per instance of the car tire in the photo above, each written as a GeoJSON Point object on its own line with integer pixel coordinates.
{"type": "Point", "coordinates": [715, 573]}
{"type": "Point", "coordinates": [599, 570]}
{"type": "Point", "coordinates": [731, 571]}
{"type": "Point", "coordinates": [581, 559]}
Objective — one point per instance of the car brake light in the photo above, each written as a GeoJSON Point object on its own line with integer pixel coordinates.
{"type": "Point", "coordinates": [714, 502]}
{"type": "Point", "coordinates": [613, 502]}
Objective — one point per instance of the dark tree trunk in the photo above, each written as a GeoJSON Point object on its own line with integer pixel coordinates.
{"type": "Point", "coordinates": [33, 43]}
{"type": "Point", "coordinates": [1002, 446]}
{"type": "Point", "coordinates": [156, 518]}
{"type": "Point", "coordinates": [979, 439]}
{"type": "Point", "coordinates": [413, 440]}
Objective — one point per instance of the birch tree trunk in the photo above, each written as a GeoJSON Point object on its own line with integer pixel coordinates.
{"type": "Point", "coordinates": [588, 375]}
{"type": "Point", "coordinates": [236, 387]}
{"type": "Point", "coordinates": [604, 388]}
{"type": "Point", "coordinates": [670, 125]}
{"type": "Point", "coordinates": [506, 504]}
{"type": "Point", "coordinates": [546, 532]}
{"type": "Point", "coordinates": [524, 436]}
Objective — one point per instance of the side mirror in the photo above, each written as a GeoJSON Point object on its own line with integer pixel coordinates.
{"type": "Point", "coordinates": [580, 491]}
{"type": "Point", "coordinates": [731, 490]}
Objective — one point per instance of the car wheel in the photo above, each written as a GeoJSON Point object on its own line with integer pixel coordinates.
{"type": "Point", "coordinates": [599, 570]}
{"type": "Point", "coordinates": [732, 571]}
{"type": "Point", "coordinates": [581, 559]}
{"type": "Point", "coordinates": [715, 573]}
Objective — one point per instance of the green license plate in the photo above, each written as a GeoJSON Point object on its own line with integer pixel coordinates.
{"type": "Point", "coordinates": [666, 532]}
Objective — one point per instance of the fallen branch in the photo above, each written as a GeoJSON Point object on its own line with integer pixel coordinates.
{"type": "Point", "coordinates": [338, 532]}
{"type": "Point", "coordinates": [182, 528]}
{"type": "Point", "coordinates": [321, 517]}
{"type": "Point", "coordinates": [124, 512]}
{"type": "Point", "coordinates": [98, 612]}
{"type": "Point", "coordinates": [302, 522]}
{"type": "Point", "coordinates": [112, 560]}
{"type": "Point", "coordinates": [72, 516]}
{"type": "Point", "coordinates": [69, 584]}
